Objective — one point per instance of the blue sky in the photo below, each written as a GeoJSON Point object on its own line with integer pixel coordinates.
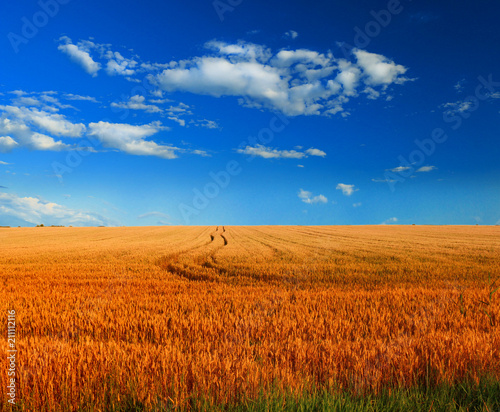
{"type": "Point", "coordinates": [249, 112]}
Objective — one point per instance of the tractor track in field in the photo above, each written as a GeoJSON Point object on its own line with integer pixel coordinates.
{"type": "Point", "coordinates": [197, 263]}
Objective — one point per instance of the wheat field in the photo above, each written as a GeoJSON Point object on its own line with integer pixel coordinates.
{"type": "Point", "coordinates": [166, 315]}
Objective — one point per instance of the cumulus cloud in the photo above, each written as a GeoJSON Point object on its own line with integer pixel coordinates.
{"type": "Point", "coordinates": [119, 65]}
{"type": "Point", "coordinates": [7, 143]}
{"type": "Point", "coordinates": [347, 190]}
{"type": "Point", "coordinates": [270, 153]}
{"type": "Point", "coordinates": [379, 70]}
{"type": "Point", "coordinates": [27, 127]}
{"type": "Point", "coordinates": [308, 198]}
{"type": "Point", "coordinates": [426, 168]}
{"type": "Point", "coordinates": [34, 210]}
{"type": "Point", "coordinates": [132, 139]}
{"type": "Point", "coordinates": [79, 55]}
{"type": "Point", "coordinates": [35, 127]}
{"type": "Point", "coordinates": [86, 52]}
{"type": "Point", "coordinates": [315, 152]}
{"type": "Point", "coordinates": [137, 102]}
{"type": "Point", "coordinates": [53, 123]}
{"type": "Point", "coordinates": [295, 82]}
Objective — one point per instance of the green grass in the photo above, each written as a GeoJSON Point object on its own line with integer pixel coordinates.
{"type": "Point", "coordinates": [466, 396]}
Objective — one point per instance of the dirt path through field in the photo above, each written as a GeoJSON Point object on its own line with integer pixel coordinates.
{"type": "Point", "coordinates": [199, 262]}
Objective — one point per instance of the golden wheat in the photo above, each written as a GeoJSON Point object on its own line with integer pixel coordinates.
{"type": "Point", "coordinates": [166, 313]}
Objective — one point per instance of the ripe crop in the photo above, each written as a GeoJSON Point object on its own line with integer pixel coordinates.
{"type": "Point", "coordinates": [165, 315]}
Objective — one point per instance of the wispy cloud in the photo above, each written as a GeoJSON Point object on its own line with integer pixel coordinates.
{"type": "Point", "coordinates": [271, 153]}
{"type": "Point", "coordinates": [383, 180]}
{"type": "Point", "coordinates": [137, 102]}
{"type": "Point", "coordinates": [70, 96]}
{"type": "Point", "coordinates": [459, 86]}
{"type": "Point", "coordinates": [153, 214]}
{"type": "Point", "coordinates": [291, 34]}
{"type": "Point", "coordinates": [398, 169]}
{"type": "Point", "coordinates": [426, 168]}
{"type": "Point", "coordinates": [389, 221]}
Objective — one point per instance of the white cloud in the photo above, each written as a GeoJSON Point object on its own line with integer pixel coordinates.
{"type": "Point", "coordinates": [356, 204]}
{"type": "Point", "coordinates": [137, 103]}
{"type": "Point", "coordinates": [296, 82]}
{"type": "Point", "coordinates": [315, 152]}
{"type": "Point", "coordinates": [4, 163]}
{"type": "Point", "coordinates": [427, 168]}
{"type": "Point", "coordinates": [459, 86]}
{"type": "Point", "coordinates": [34, 210]}
{"type": "Point", "coordinates": [131, 139]}
{"type": "Point", "coordinates": [292, 34]}
{"type": "Point", "coordinates": [7, 143]}
{"type": "Point", "coordinates": [372, 93]}
{"type": "Point", "coordinates": [71, 96]}
{"type": "Point", "coordinates": [79, 56]}
{"type": "Point", "coordinates": [398, 169]}
{"type": "Point", "coordinates": [25, 137]}
{"type": "Point", "coordinates": [208, 124]}
{"type": "Point", "coordinates": [348, 77]}
{"type": "Point", "coordinates": [113, 62]}
{"type": "Point", "coordinates": [119, 65]}
{"type": "Point", "coordinates": [27, 101]}
{"type": "Point", "coordinates": [460, 106]}
{"type": "Point", "coordinates": [390, 220]}
{"type": "Point", "coordinates": [379, 70]}
{"type": "Point", "coordinates": [34, 128]}
{"type": "Point", "coordinates": [347, 190]}
{"type": "Point", "coordinates": [307, 197]}
{"type": "Point", "coordinates": [202, 153]}
{"type": "Point", "coordinates": [53, 123]}
{"type": "Point", "coordinates": [180, 121]}
{"type": "Point", "coordinates": [39, 141]}
{"type": "Point", "coordinates": [270, 153]}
